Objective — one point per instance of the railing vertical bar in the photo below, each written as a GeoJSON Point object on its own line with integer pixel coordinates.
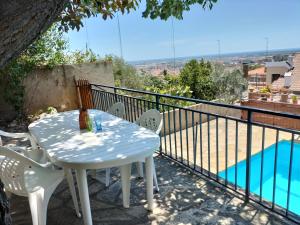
{"type": "Point", "coordinates": [175, 132]}
{"type": "Point", "coordinates": [180, 127]}
{"type": "Point", "coordinates": [217, 146]}
{"type": "Point", "coordinates": [115, 92]}
{"type": "Point", "coordinates": [194, 139]}
{"type": "Point", "coordinates": [111, 97]}
{"type": "Point", "coordinates": [170, 136]}
{"type": "Point", "coordinates": [108, 101]}
{"type": "Point", "coordinates": [100, 102]}
{"type": "Point", "coordinates": [128, 108]}
{"type": "Point", "coordinates": [187, 136]}
{"type": "Point", "coordinates": [236, 154]}
{"type": "Point", "coordinates": [95, 98]}
{"type": "Point", "coordinates": [137, 112]}
{"type": "Point", "coordinates": [104, 101]}
{"type": "Point", "coordinates": [226, 151]}
{"type": "Point", "coordinates": [195, 146]}
{"type": "Point", "coordinates": [193, 133]}
{"type": "Point", "coordinates": [290, 175]}
{"type": "Point", "coordinates": [275, 169]}
{"type": "Point", "coordinates": [262, 163]}
{"type": "Point", "coordinates": [201, 143]}
{"type": "Point", "coordinates": [164, 123]}
{"type": "Point", "coordinates": [131, 110]}
{"type": "Point", "coordinates": [248, 154]}
{"type": "Point", "coordinates": [156, 102]}
{"type": "Point", "coordinates": [135, 108]}
{"type": "Point", "coordinates": [208, 142]}
{"type": "Point", "coordinates": [142, 108]}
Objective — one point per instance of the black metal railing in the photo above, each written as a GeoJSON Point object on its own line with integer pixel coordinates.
{"type": "Point", "coordinates": [228, 144]}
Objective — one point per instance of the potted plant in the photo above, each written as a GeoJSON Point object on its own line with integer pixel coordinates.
{"type": "Point", "coordinates": [295, 99]}
{"type": "Point", "coordinates": [284, 95]}
{"type": "Point", "coordinates": [264, 93]}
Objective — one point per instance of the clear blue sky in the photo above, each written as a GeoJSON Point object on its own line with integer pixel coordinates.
{"type": "Point", "coordinates": [240, 25]}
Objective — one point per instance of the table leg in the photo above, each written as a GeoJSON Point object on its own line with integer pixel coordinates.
{"type": "Point", "coordinates": [149, 181]}
{"type": "Point", "coordinates": [125, 177]}
{"type": "Point", "coordinates": [84, 196]}
{"type": "Point", "coordinates": [69, 176]}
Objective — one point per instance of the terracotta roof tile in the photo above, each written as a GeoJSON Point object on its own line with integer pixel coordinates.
{"type": "Point", "coordinates": [258, 71]}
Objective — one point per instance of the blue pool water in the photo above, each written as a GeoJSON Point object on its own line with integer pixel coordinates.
{"type": "Point", "coordinates": [282, 171]}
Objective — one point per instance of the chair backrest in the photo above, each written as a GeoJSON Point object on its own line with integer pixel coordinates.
{"type": "Point", "coordinates": [151, 119]}
{"type": "Point", "coordinates": [84, 94]}
{"type": "Point", "coordinates": [12, 168]}
{"type": "Point", "coordinates": [117, 109]}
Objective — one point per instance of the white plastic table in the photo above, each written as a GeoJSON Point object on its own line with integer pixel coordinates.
{"type": "Point", "coordinates": [119, 145]}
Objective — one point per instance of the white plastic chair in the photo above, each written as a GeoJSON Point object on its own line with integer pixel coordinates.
{"type": "Point", "coordinates": [38, 156]}
{"type": "Point", "coordinates": [117, 109]}
{"type": "Point", "coordinates": [25, 177]}
{"type": "Point", "coordinates": [151, 120]}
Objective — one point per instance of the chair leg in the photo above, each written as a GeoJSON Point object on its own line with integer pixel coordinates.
{"type": "Point", "coordinates": [155, 177]}
{"type": "Point", "coordinates": [140, 169]}
{"type": "Point", "coordinates": [107, 177]}
{"type": "Point", "coordinates": [69, 176]}
{"type": "Point", "coordinates": [38, 202]}
{"type": "Point", "coordinates": [93, 174]}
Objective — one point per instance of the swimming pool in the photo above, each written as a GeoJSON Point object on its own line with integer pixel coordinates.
{"type": "Point", "coordinates": [282, 173]}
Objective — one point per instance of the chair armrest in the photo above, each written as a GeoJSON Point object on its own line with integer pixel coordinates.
{"type": "Point", "coordinates": [10, 153]}
{"type": "Point", "coordinates": [20, 135]}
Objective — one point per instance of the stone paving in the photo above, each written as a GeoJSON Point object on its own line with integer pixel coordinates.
{"type": "Point", "coordinates": [184, 198]}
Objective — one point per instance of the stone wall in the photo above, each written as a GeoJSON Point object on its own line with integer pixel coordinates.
{"type": "Point", "coordinates": [55, 87]}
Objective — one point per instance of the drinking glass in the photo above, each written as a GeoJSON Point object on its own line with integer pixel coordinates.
{"type": "Point", "coordinates": [98, 122]}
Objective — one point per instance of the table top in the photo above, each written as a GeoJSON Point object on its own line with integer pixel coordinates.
{"type": "Point", "coordinates": [120, 142]}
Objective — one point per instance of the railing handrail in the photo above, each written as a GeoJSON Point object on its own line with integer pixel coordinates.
{"type": "Point", "coordinates": [252, 109]}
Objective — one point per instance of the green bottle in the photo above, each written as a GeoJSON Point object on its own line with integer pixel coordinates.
{"type": "Point", "coordinates": [89, 124]}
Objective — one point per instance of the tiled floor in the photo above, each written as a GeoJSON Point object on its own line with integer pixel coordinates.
{"type": "Point", "coordinates": [184, 198]}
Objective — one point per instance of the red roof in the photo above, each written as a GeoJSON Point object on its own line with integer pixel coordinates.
{"type": "Point", "coordinates": [257, 72]}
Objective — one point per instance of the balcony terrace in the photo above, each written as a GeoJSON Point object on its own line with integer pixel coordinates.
{"type": "Point", "coordinates": [213, 167]}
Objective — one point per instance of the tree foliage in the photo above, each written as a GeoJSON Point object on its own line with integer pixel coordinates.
{"type": "Point", "coordinates": [197, 75]}
{"type": "Point", "coordinates": [76, 10]}
{"type": "Point", "coordinates": [229, 84]}
{"type": "Point", "coordinates": [125, 75]}
{"type": "Point", "coordinates": [168, 85]}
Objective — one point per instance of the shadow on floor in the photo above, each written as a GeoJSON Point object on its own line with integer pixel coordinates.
{"type": "Point", "coordinates": [184, 198]}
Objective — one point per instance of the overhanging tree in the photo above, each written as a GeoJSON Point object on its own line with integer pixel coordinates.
{"type": "Point", "coordinates": [21, 22]}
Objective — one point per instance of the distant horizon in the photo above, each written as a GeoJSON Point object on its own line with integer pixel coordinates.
{"type": "Point", "coordinates": [230, 27]}
{"type": "Point", "coordinates": [224, 55]}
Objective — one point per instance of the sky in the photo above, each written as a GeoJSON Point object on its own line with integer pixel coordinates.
{"type": "Point", "coordinates": [240, 25]}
